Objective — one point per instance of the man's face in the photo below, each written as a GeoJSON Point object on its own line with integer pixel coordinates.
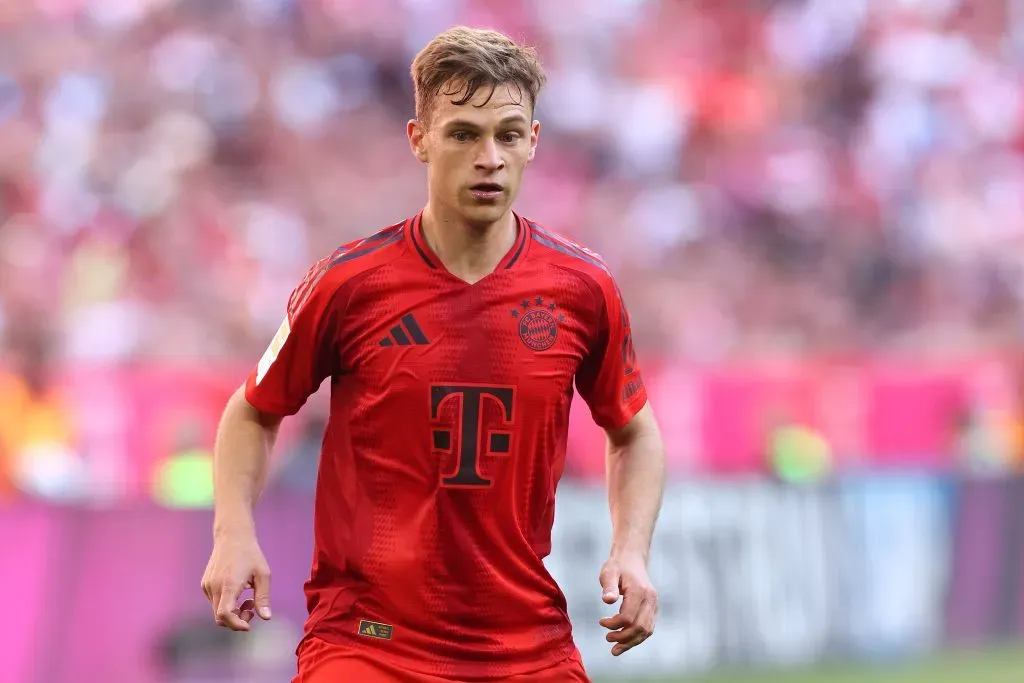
{"type": "Point", "coordinates": [476, 153]}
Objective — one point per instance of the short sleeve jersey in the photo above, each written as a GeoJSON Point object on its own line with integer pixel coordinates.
{"type": "Point", "coordinates": [446, 440]}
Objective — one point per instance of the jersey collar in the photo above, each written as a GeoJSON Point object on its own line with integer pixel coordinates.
{"type": "Point", "coordinates": [418, 243]}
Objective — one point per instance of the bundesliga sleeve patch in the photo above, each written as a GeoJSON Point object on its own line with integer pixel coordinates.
{"type": "Point", "coordinates": [270, 355]}
{"type": "Point", "coordinates": [372, 629]}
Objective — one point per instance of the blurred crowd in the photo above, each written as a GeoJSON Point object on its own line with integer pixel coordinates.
{"type": "Point", "coordinates": [763, 176]}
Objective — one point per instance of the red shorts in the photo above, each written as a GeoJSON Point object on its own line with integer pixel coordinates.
{"type": "Point", "coordinates": [321, 662]}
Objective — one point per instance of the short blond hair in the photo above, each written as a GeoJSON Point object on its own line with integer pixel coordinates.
{"type": "Point", "coordinates": [462, 60]}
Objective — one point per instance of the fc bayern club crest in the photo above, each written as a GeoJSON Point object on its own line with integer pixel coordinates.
{"type": "Point", "coordinates": [538, 323]}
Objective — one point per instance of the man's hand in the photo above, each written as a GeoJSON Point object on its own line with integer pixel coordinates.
{"type": "Point", "coordinates": [237, 564]}
{"type": "Point", "coordinates": [626, 575]}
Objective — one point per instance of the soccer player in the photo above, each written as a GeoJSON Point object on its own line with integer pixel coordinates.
{"type": "Point", "coordinates": [452, 341]}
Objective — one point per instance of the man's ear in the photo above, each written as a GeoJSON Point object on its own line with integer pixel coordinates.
{"type": "Point", "coordinates": [417, 134]}
{"type": "Point", "coordinates": [534, 135]}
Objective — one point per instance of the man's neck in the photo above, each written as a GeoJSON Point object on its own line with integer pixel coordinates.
{"type": "Point", "coordinates": [469, 252]}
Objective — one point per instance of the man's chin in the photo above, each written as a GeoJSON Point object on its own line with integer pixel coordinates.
{"type": "Point", "coordinates": [484, 214]}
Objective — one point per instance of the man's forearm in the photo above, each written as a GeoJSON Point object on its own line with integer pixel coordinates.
{"type": "Point", "coordinates": [636, 481]}
{"type": "Point", "coordinates": [241, 459]}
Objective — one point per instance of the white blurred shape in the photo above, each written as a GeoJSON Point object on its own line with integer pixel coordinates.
{"type": "Point", "coordinates": [65, 150]}
{"type": "Point", "coordinates": [1002, 196]}
{"type": "Point", "coordinates": [76, 98]}
{"type": "Point", "coordinates": [102, 331]}
{"type": "Point", "coordinates": [179, 60]}
{"type": "Point", "coordinates": [576, 99]}
{"type": "Point", "coordinates": [274, 235]}
{"type": "Point", "coordinates": [304, 95]}
{"type": "Point", "coordinates": [992, 98]}
{"type": "Point", "coordinates": [427, 18]}
{"type": "Point", "coordinates": [804, 36]}
{"type": "Point", "coordinates": [229, 87]}
{"type": "Point", "coordinates": [264, 11]}
{"type": "Point", "coordinates": [664, 216]}
{"type": "Point", "coordinates": [52, 471]}
{"type": "Point", "coordinates": [180, 139]}
{"type": "Point", "coordinates": [585, 17]}
{"type": "Point", "coordinates": [799, 180]}
{"type": "Point", "coordinates": [146, 188]}
{"type": "Point", "coordinates": [67, 203]}
{"type": "Point", "coordinates": [120, 14]}
{"type": "Point", "coordinates": [900, 126]}
{"type": "Point", "coordinates": [649, 126]}
{"type": "Point", "coordinates": [929, 9]}
{"type": "Point", "coordinates": [922, 58]}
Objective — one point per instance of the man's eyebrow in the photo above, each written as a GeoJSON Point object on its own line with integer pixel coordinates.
{"type": "Point", "coordinates": [460, 123]}
{"type": "Point", "coordinates": [464, 123]}
{"type": "Point", "coordinates": [514, 117]}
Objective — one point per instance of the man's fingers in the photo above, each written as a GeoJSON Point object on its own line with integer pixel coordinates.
{"type": "Point", "coordinates": [628, 635]}
{"type": "Point", "coordinates": [632, 600]}
{"type": "Point", "coordinates": [629, 628]}
{"type": "Point", "coordinates": [628, 638]}
{"type": "Point", "coordinates": [648, 612]}
{"type": "Point", "coordinates": [232, 620]}
{"type": "Point", "coordinates": [261, 593]}
{"type": "Point", "coordinates": [246, 611]}
{"type": "Point", "coordinates": [226, 613]}
{"type": "Point", "coordinates": [614, 622]}
{"type": "Point", "coordinates": [229, 594]}
{"type": "Point", "coordinates": [609, 583]}
{"type": "Point", "coordinates": [629, 645]}
{"type": "Point", "coordinates": [628, 611]}
{"type": "Point", "coordinates": [213, 595]}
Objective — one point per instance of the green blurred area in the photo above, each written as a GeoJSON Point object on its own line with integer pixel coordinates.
{"type": "Point", "coordinates": [996, 666]}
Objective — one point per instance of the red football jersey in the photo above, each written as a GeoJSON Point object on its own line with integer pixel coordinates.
{"type": "Point", "coordinates": [446, 440]}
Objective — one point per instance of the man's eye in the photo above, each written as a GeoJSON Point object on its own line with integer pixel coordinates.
{"type": "Point", "coordinates": [462, 136]}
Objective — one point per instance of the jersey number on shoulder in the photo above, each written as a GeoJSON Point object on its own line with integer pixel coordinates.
{"type": "Point", "coordinates": [476, 436]}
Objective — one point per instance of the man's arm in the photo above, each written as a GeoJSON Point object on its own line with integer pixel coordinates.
{"type": "Point", "coordinates": [299, 358]}
{"type": "Point", "coordinates": [610, 381]}
{"type": "Point", "coordinates": [635, 466]}
{"type": "Point", "coordinates": [636, 480]}
{"type": "Point", "coordinates": [245, 439]}
{"type": "Point", "coordinates": [241, 459]}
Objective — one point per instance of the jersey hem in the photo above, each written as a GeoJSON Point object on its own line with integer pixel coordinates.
{"type": "Point", "coordinates": [467, 671]}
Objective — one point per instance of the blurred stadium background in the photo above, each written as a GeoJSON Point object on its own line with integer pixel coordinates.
{"type": "Point", "coordinates": [815, 209]}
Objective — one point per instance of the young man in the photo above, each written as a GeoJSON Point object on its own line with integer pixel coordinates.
{"type": "Point", "coordinates": [452, 340]}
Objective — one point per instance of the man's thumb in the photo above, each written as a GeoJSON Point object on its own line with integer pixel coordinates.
{"type": "Point", "coordinates": [261, 594]}
{"type": "Point", "coordinates": [610, 584]}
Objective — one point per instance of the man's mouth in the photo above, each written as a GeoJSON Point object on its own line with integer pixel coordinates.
{"type": "Point", "coordinates": [487, 191]}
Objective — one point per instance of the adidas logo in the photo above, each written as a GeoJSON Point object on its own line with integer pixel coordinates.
{"type": "Point", "coordinates": [373, 629]}
{"type": "Point", "coordinates": [406, 333]}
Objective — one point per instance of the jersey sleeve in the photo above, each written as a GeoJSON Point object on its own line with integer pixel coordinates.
{"type": "Point", "coordinates": [302, 353]}
{"type": "Point", "coordinates": [609, 378]}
